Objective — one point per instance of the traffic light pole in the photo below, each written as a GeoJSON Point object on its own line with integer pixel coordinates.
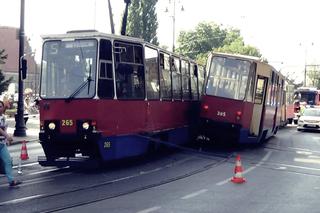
{"type": "Point", "coordinates": [20, 130]}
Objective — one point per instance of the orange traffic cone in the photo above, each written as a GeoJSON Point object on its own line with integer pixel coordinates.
{"type": "Point", "coordinates": [237, 178]}
{"type": "Point", "coordinates": [24, 152]}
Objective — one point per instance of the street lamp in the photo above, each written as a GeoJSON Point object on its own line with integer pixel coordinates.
{"type": "Point", "coordinates": [173, 21]}
{"type": "Point", "coordinates": [20, 129]}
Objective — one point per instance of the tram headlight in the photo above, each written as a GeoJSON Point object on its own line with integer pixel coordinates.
{"type": "Point", "coordinates": [52, 126]}
{"type": "Point", "coordinates": [85, 125]}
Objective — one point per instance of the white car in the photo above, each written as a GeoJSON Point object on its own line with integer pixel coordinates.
{"type": "Point", "coordinates": [310, 119]}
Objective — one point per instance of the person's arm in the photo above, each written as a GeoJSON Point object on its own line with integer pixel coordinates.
{"type": "Point", "coordinates": [6, 135]}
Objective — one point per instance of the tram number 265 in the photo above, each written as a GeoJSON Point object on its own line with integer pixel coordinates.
{"type": "Point", "coordinates": [66, 122]}
{"type": "Point", "coordinates": [221, 114]}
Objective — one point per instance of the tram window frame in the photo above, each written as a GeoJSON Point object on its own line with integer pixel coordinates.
{"type": "Point", "coordinates": [186, 80]}
{"type": "Point", "coordinates": [176, 78]}
{"type": "Point", "coordinates": [201, 83]}
{"type": "Point", "coordinates": [152, 74]}
{"type": "Point", "coordinates": [165, 77]}
{"type": "Point", "coordinates": [251, 82]}
{"type": "Point", "coordinates": [105, 78]}
{"type": "Point", "coordinates": [194, 81]}
{"type": "Point", "coordinates": [129, 70]}
{"type": "Point", "coordinates": [259, 96]}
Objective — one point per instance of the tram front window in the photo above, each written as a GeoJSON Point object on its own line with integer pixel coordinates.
{"type": "Point", "coordinates": [228, 78]}
{"type": "Point", "coordinates": [68, 69]}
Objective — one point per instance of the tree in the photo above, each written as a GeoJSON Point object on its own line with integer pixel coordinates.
{"type": "Point", "coordinates": [208, 37]}
{"type": "Point", "coordinates": [203, 39]}
{"type": "Point", "coordinates": [142, 20]}
{"type": "Point", "coordinates": [3, 83]}
{"type": "Point", "coordinates": [238, 46]}
{"type": "Point", "coordinates": [313, 76]}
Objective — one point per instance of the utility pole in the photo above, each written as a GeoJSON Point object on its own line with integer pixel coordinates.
{"type": "Point", "coordinates": [20, 129]}
{"type": "Point", "coordinates": [111, 17]}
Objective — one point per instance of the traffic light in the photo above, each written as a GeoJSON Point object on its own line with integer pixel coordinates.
{"type": "Point", "coordinates": [23, 68]}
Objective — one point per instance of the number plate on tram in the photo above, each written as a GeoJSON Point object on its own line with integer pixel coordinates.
{"type": "Point", "coordinates": [67, 122]}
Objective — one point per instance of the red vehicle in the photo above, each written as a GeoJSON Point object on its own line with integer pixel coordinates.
{"type": "Point", "coordinates": [242, 99]}
{"type": "Point", "coordinates": [302, 97]}
{"type": "Point", "coordinates": [106, 97]}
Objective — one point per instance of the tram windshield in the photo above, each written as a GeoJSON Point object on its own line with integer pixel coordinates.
{"type": "Point", "coordinates": [307, 97]}
{"type": "Point", "coordinates": [68, 69]}
{"type": "Point", "coordinates": [228, 78]}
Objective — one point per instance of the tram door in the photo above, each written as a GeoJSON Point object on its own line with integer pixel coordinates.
{"type": "Point", "coordinates": [259, 105]}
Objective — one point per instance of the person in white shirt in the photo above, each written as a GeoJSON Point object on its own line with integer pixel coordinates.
{"type": "Point", "coordinates": [5, 157]}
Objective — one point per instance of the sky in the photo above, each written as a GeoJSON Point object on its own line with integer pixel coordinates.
{"type": "Point", "coordinates": [287, 33]}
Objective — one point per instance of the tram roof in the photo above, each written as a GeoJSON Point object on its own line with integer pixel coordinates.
{"type": "Point", "coordinates": [96, 34]}
{"type": "Point", "coordinates": [245, 57]}
{"type": "Point", "coordinates": [90, 34]}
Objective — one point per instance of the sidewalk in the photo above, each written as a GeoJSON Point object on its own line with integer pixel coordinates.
{"type": "Point", "coordinates": [32, 135]}
{"type": "Point", "coordinates": [32, 130]}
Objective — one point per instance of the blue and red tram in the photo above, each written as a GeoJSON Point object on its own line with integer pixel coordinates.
{"type": "Point", "coordinates": [242, 100]}
{"type": "Point", "coordinates": [101, 93]}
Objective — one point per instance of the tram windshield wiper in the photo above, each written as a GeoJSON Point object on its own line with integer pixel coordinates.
{"type": "Point", "coordinates": [80, 88]}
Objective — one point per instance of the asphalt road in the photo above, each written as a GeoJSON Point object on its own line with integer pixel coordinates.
{"type": "Point", "coordinates": [281, 176]}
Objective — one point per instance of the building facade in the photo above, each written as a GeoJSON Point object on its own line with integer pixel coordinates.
{"type": "Point", "coordinates": [9, 41]}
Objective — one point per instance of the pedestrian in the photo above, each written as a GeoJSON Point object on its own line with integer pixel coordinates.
{"type": "Point", "coordinates": [5, 139]}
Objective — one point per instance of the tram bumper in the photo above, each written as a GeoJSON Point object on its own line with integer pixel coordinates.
{"type": "Point", "coordinates": [68, 161]}
{"type": "Point", "coordinates": [220, 131]}
{"type": "Point", "coordinates": [69, 146]}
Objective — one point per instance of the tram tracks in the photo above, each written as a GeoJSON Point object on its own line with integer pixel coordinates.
{"type": "Point", "coordinates": [216, 159]}
{"type": "Point", "coordinates": [44, 198]}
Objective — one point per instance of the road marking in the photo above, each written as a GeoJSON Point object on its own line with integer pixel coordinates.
{"type": "Point", "coordinates": [150, 171]}
{"type": "Point", "coordinates": [15, 201]}
{"type": "Point", "coordinates": [26, 165]}
{"type": "Point", "coordinates": [194, 194]}
{"type": "Point", "coordinates": [45, 171]}
{"type": "Point", "coordinates": [152, 209]}
{"type": "Point", "coordinates": [265, 158]}
{"type": "Point", "coordinates": [293, 166]}
{"type": "Point", "coordinates": [281, 168]}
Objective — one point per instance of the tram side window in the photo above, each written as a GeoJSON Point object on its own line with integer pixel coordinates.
{"type": "Point", "coordinates": [261, 84]}
{"type": "Point", "coordinates": [165, 77]}
{"type": "Point", "coordinates": [129, 71]}
{"type": "Point", "coordinates": [176, 78]}
{"type": "Point", "coordinates": [105, 83]}
{"type": "Point", "coordinates": [186, 90]}
{"type": "Point", "coordinates": [194, 89]}
{"type": "Point", "coordinates": [152, 74]}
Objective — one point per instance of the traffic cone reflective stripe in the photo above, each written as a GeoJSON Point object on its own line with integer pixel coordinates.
{"type": "Point", "coordinates": [237, 178]}
{"type": "Point", "coordinates": [24, 152]}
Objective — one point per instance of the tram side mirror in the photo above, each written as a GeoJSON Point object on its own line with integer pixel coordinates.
{"type": "Point", "coordinates": [24, 68]}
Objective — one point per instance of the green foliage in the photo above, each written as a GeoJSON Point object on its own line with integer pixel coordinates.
{"type": "Point", "coordinates": [313, 76]}
{"type": "Point", "coordinates": [3, 83]}
{"type": "Point", "coordinates": [203, 39]}
{"type": "Point", "coordinates": [142, 20]}
{"type": "Point", "coordinates": [209, 37]}
{"type": "Point", "coordinates": [238, 46]}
